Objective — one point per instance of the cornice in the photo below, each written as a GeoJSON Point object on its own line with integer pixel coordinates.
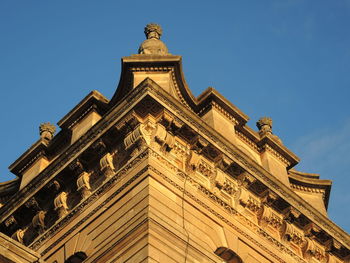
{"type": "Point", "coordinates": [250, 165]}
{"type": "Point", "coordinates": [29, 157]}
{"type": "Point", "coordinates": [151, 89]}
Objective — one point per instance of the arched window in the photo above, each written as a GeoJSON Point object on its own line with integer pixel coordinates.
{"type": "Point", "coordinates": [76, 258]}
{"type": "Point", "coordinates": [228, 255]}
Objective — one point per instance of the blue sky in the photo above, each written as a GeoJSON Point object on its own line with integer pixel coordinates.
{"type": "Point", "coordinates": [287, 59]}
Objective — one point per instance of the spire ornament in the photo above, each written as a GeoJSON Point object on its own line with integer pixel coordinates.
{"type": "Point", "coordinates": [153, 45]}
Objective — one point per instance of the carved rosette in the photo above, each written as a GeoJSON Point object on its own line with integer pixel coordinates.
{"type": "Point", "coordinates": [83, 184]}
{"type": "Point", "coordinates": [60, 204]}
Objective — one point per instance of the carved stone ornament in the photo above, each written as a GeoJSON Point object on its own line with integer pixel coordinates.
{"type": "Point", "coordinates": [265, 129]}
{"type": "Point", "coordinates": [47, 130]}
{"type": "Point", "coordinates": [60, 204]}
{"type": "Point", "coordinates": [153, 45]}
{"type": "Point", "coordinates": [38, 221]}
{"type": "Point", "coordinates": [10, 221]}
{"type": "Point", "coordinates": [18, 235]}
{"type": "Point", "coordinates": [270, 218]}
{"type": "Point", "coordinates": [83, 184]}
{"type": "Point", "coordinates": [292, 234]}
{"type": "Point", "coordinates": [250, 202]}
{"type": "Point", "coordinates": [107, 166]}
{"type": "Point", "coordinates": [264, 125]}
{"type": "Point", "coordinates": [163, 138]}
{"type": "Point", "coordinates": [312, 249]}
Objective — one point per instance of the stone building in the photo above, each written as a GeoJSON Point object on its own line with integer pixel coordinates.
{"type": "Point", "coordinates": [157, 175]}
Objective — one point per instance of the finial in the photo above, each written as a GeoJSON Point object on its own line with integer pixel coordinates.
{"type": "Point", "coordinates": [153, 45]}
{"type": "Point", "coordinates": [265, 128]}
{"type": "Point", "coordinates": [47, 130]}
{"type": "Point", "coordinates": [264, 125]}
{"type": "Point", "coordinates": [153, 31]}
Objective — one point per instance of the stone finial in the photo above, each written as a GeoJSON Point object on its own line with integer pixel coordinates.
{"type": "Point", "coordinates": [153, 31]}
{"type": "Point", "coordinates": [264, 125]}
{"type": "Point", "coordinates": [47, 130]}
{"type": "Point", "coordinates": [153, 45]}
{"type": "Point", "coordinates": [265, 128]}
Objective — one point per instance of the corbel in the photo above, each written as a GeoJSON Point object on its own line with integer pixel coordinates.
{"type": "Point", "coordinates": [18, 235]}
{"type": "Point", "coordinates": [268, 197]}
{"type": "Point", "coordinates": [172, 123]}
{"type": "Point", "coordinates": [269, 217]}
{"type": "Point", "coordinates": [129, 123]}
{"type": "Point", "coordinates": [83, 185]}
{"type": "Point", "coordinates": [10, 222]}
{"type": "Point", "coordinates": [164, 138]}
{"type": "Point", "coordinates": [76, 166]}
{"type": "Point", "coordinates": [312, 250]}
{"type": "Point", "coordinates": [312, 230]}
{"type": "Point", "coordinates": [54, 186]}
{"type": "Point", "coordinates": [60, 204]}
{"type": "Point", "coordinates": [291, 214]}
{"type": "Point", "coordinates": [292, 234]}
{"type": "Point", "coordinates": [223, 162]}
{"type": "Point", "coordinates": [107, 166]}
{"type": "Point", "coordinates": [245, 179]}
{"type": "Point", "coordinates": [38, 222]}
{"type": "Point", "coordinates": [247, 200]}
{"type": "Point", "coordinates": [32, 204]}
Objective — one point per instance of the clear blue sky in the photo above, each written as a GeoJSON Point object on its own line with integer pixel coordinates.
{"type": "Point", "coordinates": [287, 59]}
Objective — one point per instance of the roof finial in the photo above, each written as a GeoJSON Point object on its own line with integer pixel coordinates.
{"type": "Point", "coordinates": [153, 31]}
{"type": "Point", "coordinates": [153, 45]}
{"type": "Point", "coordinates": [265, 128]}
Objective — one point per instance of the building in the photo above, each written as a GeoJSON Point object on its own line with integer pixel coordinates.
{"type": "Point", "coordinates": [157, 175]}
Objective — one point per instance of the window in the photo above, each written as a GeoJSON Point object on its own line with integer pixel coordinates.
{"type": "Point", "coordinates": [76, 258]}
{"type": "Point", "coordinates": [228, 255]}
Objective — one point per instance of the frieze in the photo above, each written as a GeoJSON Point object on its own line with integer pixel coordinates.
{"type": "Point", "coordinates": [248, 141]}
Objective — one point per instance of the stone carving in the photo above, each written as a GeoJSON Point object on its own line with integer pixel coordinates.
{"type": "Point", "coordinates": [248, 201]}
{"type": "Point", "coordinates": [38, 221]}
{"type": "Point", "coordinates": [33, 204]}
{"type": "Point", "coordinates": [292, 234]}
{"type": "Point", "coordinates": [153, 45]}
{"type": "Point", "coordinates": [107, 166]}
{"type": "Point", "coordinates": [311, 230]}
{"type": "Point", "coordinates": [193, 161]}
{"type": "Point", "coordinates": [47, 130]}
{"type": "Point", "coordinates": [83, 184]}
{"type": "Point", "coordinates": [290, 214]}
{"type": "Point", "coordinates": [18, 235]}
{"type": "Point", "coordinates": [264, 125]}
{"type": "Point", "coordinates": [142, 133]}
{"type": "Point", "coordinates": [10, 221]}
{"type": "Point", "coordinates": [268, 197]}
{"type": "Point", "coordinates": [165, 139]}
{"type": "Point", "coordinates": [265, 128]}
{"type": "Point", "coordinates": [270, 218]}
{"type": "Point", "coordinates": [60, 204]}
{"type": "Point", "coordinates": [312, 249]}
